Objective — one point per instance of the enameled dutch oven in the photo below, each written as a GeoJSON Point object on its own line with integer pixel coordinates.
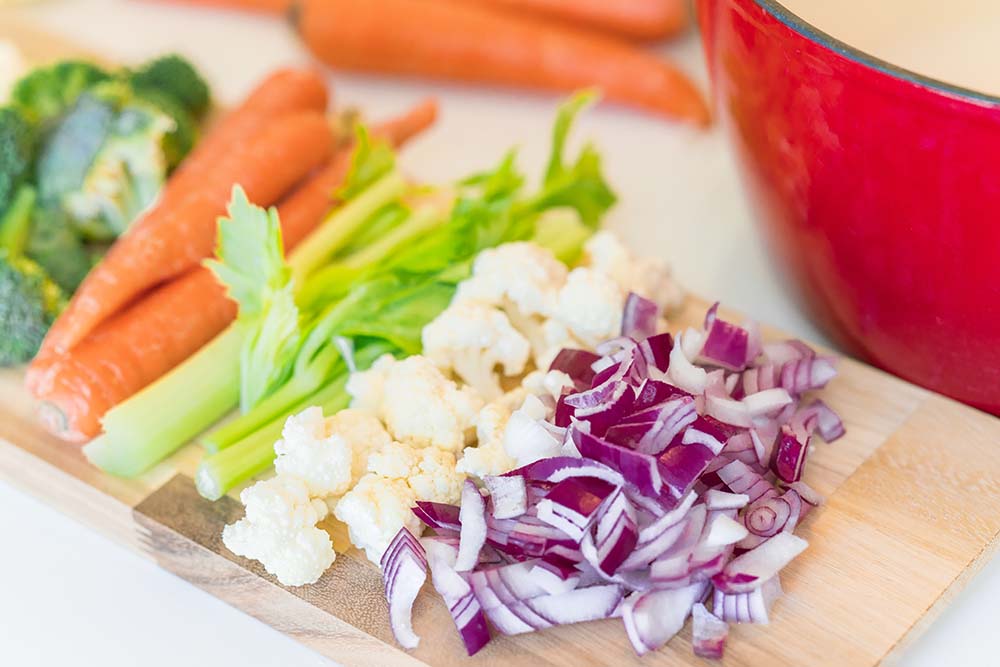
{"type": "Point", "coordinates": [878, 190]}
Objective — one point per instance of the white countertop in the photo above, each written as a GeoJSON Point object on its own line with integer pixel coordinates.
{"type": "Point", "coordinates": [71, 596]}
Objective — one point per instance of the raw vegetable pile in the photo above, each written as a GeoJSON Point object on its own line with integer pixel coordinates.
{"type": "Point", "coordinates": [677, 482]}
{"type": "Point", "coordinates": [83, 152]}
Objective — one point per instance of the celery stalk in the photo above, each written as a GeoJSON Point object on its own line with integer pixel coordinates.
{"type": "Point", "coordinates": [338, 229]}
{"type": "Point", "coordinates": [161, 418]}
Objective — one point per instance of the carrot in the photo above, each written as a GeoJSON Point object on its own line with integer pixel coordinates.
{"type": "Point", "coordinates": [143, 342]}
{"type": "Point", "coordinates": [263, 6]}
{"type": "Point", "coordinates": [180, 231]}
{"type": "Point", "coordinates": [452, 39]}
{"type": "Point", "coordinates": [644, 20]}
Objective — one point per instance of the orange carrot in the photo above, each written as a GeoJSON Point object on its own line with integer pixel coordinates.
{"type": "Point", "coordinates": [141, 343]}
{"type": "Point", "coordinates": [263, 6]}
{"type": "Point", "coordinates": [452, 39]}
{"type": "Point", "coordinates": [644, 20]}
{"type": "Point", "coordinates": [180, 230]}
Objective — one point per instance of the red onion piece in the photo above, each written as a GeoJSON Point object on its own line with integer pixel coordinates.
{"type": "Point", "coordinates": [438, 516]}
{"type": "Point", "coordinates": [708, 633]}
{"type": "Point", "coordinates": [508, 495]}
{"type": "Point", "coordinates": [680, 466]}
{"type": "Point", "coordinates": [571, 505]}
{"type": "Point", "coordinates": [656, 351]}
{"type": "Point", "coordinates": [591, 603]}
{"type": "Point", "coordinates": [577, 364]}
{"type": "Point", "coordinates": [722, 500]}
{"type": "Point", "coordinates": [654, 617]}
{"type": "Point", "coordinates": [801, 375]}
{"type": "Point", "coordinates": [639, 317]}
{"type": "Point", "coordinates": [472, 537]}
{"type": "Point", "coordinates": [783, 352]}
{"type": "Point", "coordinates": [750, 607]}
{"type": "Point", "coordinates": [558, 468]}
{"type": "Point", "coordinates": [404, 571]}
{"type": "Point", "coordinates": [789, 456]}
{"type": "Point", "coordinates": [750, 569]}
{"type": "Point", "coordinates": [457, 594]}
{"type": "Point", "coordinates": [726, 345]}
{"type": "Point", "coordinates": [641, 470]}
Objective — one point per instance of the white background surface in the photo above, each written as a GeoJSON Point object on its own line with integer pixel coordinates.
{"type": "Point", "coordinates": [69, 596]}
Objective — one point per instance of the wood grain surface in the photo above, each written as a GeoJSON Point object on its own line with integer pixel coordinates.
{"type": "Point", "coordinates": [912, 511]}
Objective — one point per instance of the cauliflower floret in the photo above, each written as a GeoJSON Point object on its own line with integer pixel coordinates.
{"type": "Point", "coordinates": [328, 454]}
{"type": "Point", "coordinates": [374, 511]}
{"type": "Point", "coordinates": [522, 274]}
{"type": "Point", "coordinates": [472, 339]}
{"type": "Point", "coordinates": [490, 457]}
{"type": "Point", "coordinates": [363, 432]}
{"type": "Point", "coordinates": [429, 471]}
{"type": "Point", "coordinates": [308, 452]}
{"type": "Point", "coordinates": [551, 383]}
{"type": "Point", "coordinates": [590, 305]}
{"type": "Point", "coordinates": [365, 387]}
{"type": "Point", "coordinates": [279, 530]}
{"type": "Point", "coordinates": [422, 407]}
{"type": "Point", "coordinates": [646, 276]}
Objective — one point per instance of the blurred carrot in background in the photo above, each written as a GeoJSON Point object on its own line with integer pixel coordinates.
{"type": "Point", "coordinates": [645, 20]}
{"type": "Point", "coordinates": [262, 6]}
{"type": "Point", "coordinates": [466, 41]}
{"type": "Point", "coordinates": [268, 144]}
{"type": "Point", "coordinates": [143, 342]}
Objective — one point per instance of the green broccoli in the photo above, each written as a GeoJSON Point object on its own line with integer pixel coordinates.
{"type": "Point", "coordinates": [47, 92]}
{"type": "Point", "coordinates": [29, 300]}
{"type": "Point", "coordinates": [176, 77]}
{"type": "Point", "coordinates": [179, 141]}
{"type": "Point", "coordinates": [17, 143]}
{"type": "Point", "coordinates": [54, 244]}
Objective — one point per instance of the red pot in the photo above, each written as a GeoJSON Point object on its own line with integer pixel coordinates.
{"type": "Point", "coordinates": [878, 190]}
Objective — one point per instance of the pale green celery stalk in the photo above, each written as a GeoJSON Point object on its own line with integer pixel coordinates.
{"type": "Point", "coordinates": [154, 423]}
{"type": "Point", "coordinates": [278, 404]}
{"type": "Point", "coordinates": [254, 454]}
{"type": "Point", "coordinates": [167, 414]}
{"type": "Point", "coordinates": [335, 280]}
{"type": "Point", "coordinates": [338, 229]}
{"type": "Point", "coordinates": [561, 231]}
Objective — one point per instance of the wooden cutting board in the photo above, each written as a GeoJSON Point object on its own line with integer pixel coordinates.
{"type": "Point", "coordinates": [912, 511]}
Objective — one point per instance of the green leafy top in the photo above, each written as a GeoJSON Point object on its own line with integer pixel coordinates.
{"type": "Point", "coordinates": [371, 160]}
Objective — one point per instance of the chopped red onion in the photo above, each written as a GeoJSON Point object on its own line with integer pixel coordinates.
{"type": "Point", "coordinates": [800, 375]}
{"type": "Point", "coordinates": [652, 618]}
{"type": "Point", "coordinates": [404, 571]}
{"type": "Point", "coordinates": [726, 345]}
{"type": "Point", "coordinates": [577, 364]}
{"type": "Point", "coordinates": [462, 603]}
{"type": "Point", "coordinates": [750, 607]}
{"type": "Point", "coordinates": [708, 633]}
{"type": "Point", "coordinates": [789, 456]}
{"type": "Point", "coordinates": [682, 372]}
{"type": "Point", "coordinates": [639, 317]}
{"type": "Point", "coordinates": [722, 500]}
{"type": "Point", "coordinates": [750, 569]}
{"type": "Point", "coordinates": [473, 533]}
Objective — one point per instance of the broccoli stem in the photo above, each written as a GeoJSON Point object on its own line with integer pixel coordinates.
{"type": "Point", "coordinates": [337, 230]}
{"type": "Point", "coordinates": [15, 224]}
{"type": "Point", "coordinates": [161, 418]}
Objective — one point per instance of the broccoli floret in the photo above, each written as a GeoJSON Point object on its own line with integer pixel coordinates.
{"type": "Point", "coordinates": [17, 143]}
{"type": "Point", "coordinates": [47, 92]}
{"type": "Point", "coordinates": [29, 303]}
{"type": "Point", "coordinates": [125, 176]}
{"type": "Point", "coordinates": [29, 300]}
{"type": "Point", "coordinates": [176, 77]}
{"type": "Point", "coordinates": [179, 141]}
{"type": "Point", "coordinates": [69, 150]}
{"type": "Point", "coordinates": [56, 247]}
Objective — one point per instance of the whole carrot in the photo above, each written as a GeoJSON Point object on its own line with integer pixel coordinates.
{"type": "Point", "coordinates": [140, 344]}
{"type": "Point", "coordinates": [263, 6]}
{"type": "Point", "coordinates": [643, 20]}
{"type": "Point", "coordinates": [452, 39]}
{"type": "Point", "coordinates": [180, 230]}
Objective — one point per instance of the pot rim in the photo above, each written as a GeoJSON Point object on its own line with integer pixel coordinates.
{"type": "Point", "coordinates": [814, 34]}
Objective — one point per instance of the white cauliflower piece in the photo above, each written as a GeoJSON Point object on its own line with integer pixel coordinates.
{"type": "Point", "coordinates": [422, 407]}
{"type": "Point", "coordinates": [279, 530]}
{"type": "Point", "coordinates": [646, 276]}
{"type": "Point", "coordinates": [525, 439]}
{"type": "Point", "coordinates": [328, 454]}
{"type": "Point", "coordinates": [490, 457]}
{"type": "Point", "coordinates": [307, 451]}
{"type": "Point", "coordinates": [374, 511]}
{"type": "Point", "coordinates": [590, 305]}
{"type": "Point", "coordinates": [430, 472]}
{"type": "Point", "coordinates": [473, 339]}
{"type": "Point", "coordinates": [523, 275]}
{"type": "Point", "coordinates": [365, 387]}
{"type": "Point", "coordinates": [363, 432]}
